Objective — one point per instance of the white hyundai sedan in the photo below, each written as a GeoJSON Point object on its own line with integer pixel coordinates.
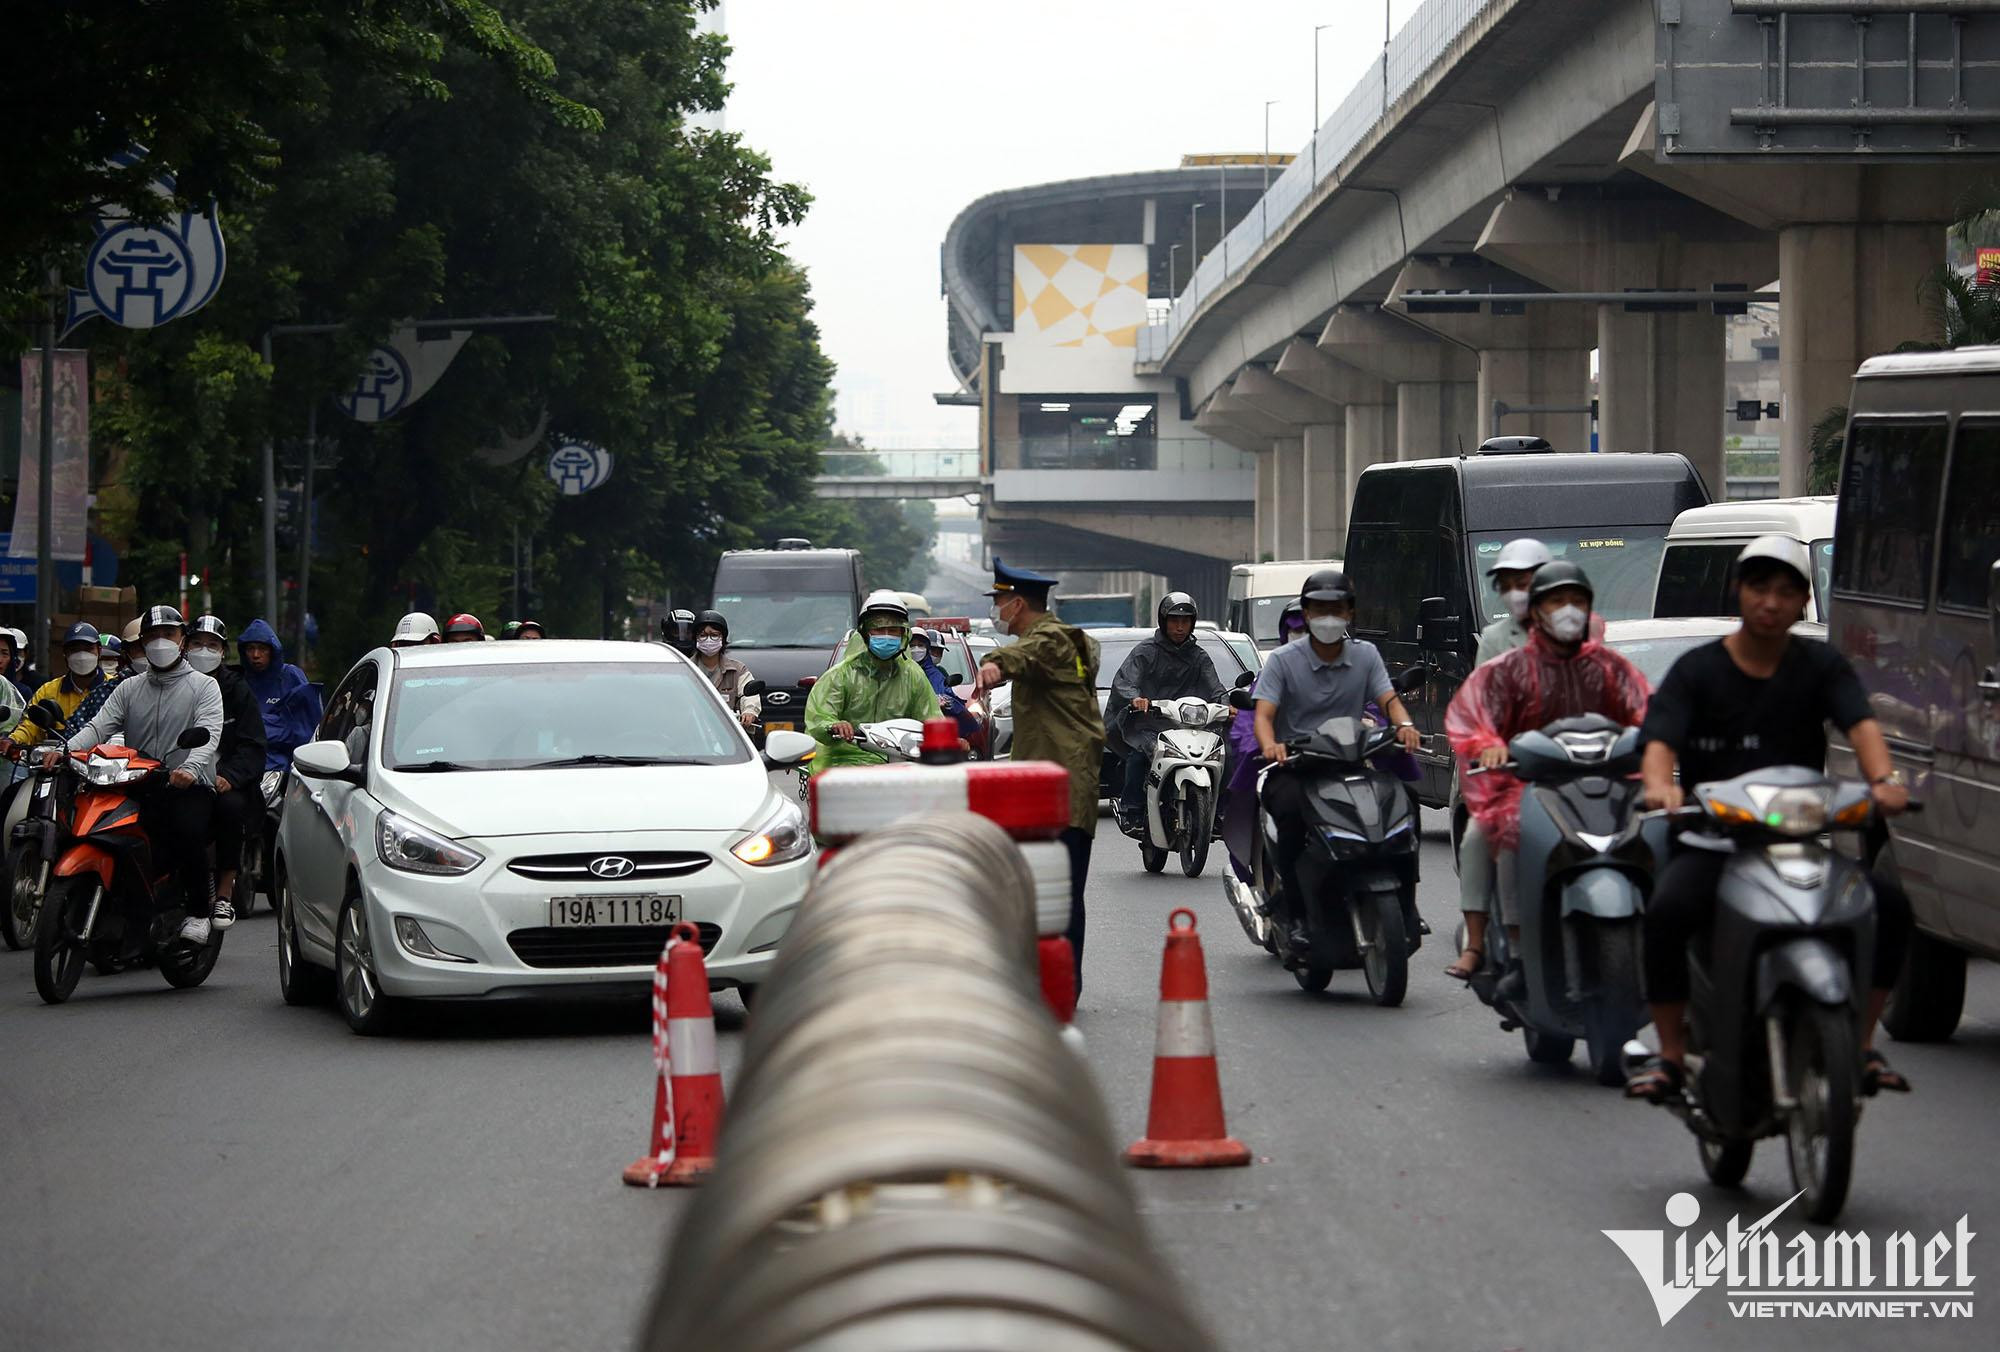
{"type": "Point", "coordinates": [529, 819]}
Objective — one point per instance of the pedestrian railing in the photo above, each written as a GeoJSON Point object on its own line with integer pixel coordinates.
{"type": "Point", "coordinates": [912, 1159]}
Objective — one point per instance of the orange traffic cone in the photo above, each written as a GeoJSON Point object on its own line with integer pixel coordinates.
{"type": "Point", "coordinates": [1184, 1129]}
{"type": "Point", "coordinates": [687, 1090]}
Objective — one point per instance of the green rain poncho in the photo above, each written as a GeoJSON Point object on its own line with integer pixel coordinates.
{"type": "Point", "coordinates": [861, 688]}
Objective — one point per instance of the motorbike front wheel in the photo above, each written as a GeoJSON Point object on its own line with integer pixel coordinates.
{"type": "Point", "coordinates": [1198, 816]}
{"type": "Point", "coordinates": [1386, 959]}
{"type": "Point", "coordinates": [1610, 1018]}
{"type": "Point", "coordinates": [1725, 1162]}
{"type": "Point", "coordinates": [24, 895]}
{"type": "Point", "coordinates": [1824, 1072]}
{"type": "Point", "coordinates": [59, 954]}
{"type": "Point", "coordinates": [1153, 859]}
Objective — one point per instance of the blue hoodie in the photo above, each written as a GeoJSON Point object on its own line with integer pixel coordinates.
{"type": "Point", "coordinates": [291, 705]}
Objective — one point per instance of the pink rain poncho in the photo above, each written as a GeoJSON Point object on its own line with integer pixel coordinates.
{"type": "Point", "coordinates": [1529, 688]}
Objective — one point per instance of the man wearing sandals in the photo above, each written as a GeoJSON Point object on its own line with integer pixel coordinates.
{"type": "Point", "coordinates": [1756, 698]}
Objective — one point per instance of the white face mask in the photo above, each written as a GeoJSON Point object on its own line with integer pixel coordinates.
{"type": "Point", "coordinates": [999, 625]}
{"type": "Point", "coordinates": [709, 645]}
{"type": "Point", "coordinates": [82, 664]}
{"type": "Point", "coordinates": [1328, 628]}
{"type": "Point", "coordinates": [163, 652]}
{"type": "Point", "coordinates": [204, 660]}
{"type": "Point", "coordinates": [109, 666]}
{"type": "Point", "coordinates": [1517, 603]}
{"type": "Point", "coordinates": [1567, 623]}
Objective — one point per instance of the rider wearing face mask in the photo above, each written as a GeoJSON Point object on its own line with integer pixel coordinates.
{"type": "Point", "coordinates": [81, 676]}
{"type": "Point", "coordinates": [149, 714]}
{"type": "Point", "coordinates": [1302, 685]}
{"type": "Point", "coordinates": [872, 682]}
{"type": "Point", "coordinates": [725, 673]}
{"type": "Point", "coordinates": [240, 765]}
{"type": "Point", "coordinates": [1511, 573]}
{"type": "Point", "coordinates": [1560, 672]}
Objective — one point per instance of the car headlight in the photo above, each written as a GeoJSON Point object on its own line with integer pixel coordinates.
{"type": "Point", "coordinates": [778, 839]}
{"type": "Point", "coordinates": [402, 844]}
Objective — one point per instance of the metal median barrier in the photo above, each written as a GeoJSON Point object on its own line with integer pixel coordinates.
{"type": "Point", "coordinates": [912, 1161]}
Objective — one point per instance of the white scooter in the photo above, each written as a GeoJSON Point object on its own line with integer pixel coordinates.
{"type": "Point", "coordinates": [1183, 781]}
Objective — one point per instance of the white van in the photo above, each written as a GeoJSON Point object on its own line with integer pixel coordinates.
{"type": "Point", "coordinates": [1259, 592]}
{"type": "Point", "coordinates": [1703, 543]}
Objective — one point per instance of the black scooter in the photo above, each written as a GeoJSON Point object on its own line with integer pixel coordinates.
{"type": "Point", "coordinates": [1779, 981]}
{"type": "Point", "coordinates": [1358, 873]}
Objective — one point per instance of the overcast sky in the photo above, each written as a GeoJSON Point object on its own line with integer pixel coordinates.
{"type": "Point", "coordinates": [897, 114]}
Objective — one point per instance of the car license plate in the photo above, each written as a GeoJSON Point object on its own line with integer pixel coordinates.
{"type": "Point", "coordinates": [574, 912]}
{"type": "Point", "coordinates": [781, 727]}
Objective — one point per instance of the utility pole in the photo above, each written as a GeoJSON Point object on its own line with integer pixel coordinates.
{"type": "Point", "coordinates": [45, 433]}
{"type": "Point", "coordinates": [1194, 238]}
{"type": "Point", "coordinates": [1315, 141]}
{"type": "Point", "coordinates": [270, 505]}
{"type": "Point", "coordinates": [1267, 142]}
{"type": "Point", "coordinates": [306, 524]}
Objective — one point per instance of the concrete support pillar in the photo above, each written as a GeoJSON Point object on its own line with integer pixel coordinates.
{"type": "Point", "coordinates": [1660, 386]}
{"type": "Point", "coordinates": [1437, 417]}
{"type": "Point", "coordinates": [1264, 534]}
{"type": "Point", "coordinates": [1848, 292]}
{"type": "Point", "coordinates": [1325, 501]}
{"type": "Point", "coordinates": [1289, 453]}
{"type": "Point", "coordinates": [1537, 377]}
{"type": "Point", "coordinates": [1370, 433]}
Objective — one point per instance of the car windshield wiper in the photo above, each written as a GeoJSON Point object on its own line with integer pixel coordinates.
{"type": "Point", "coordinates": [611, 760]}
{"type": "Point", "coordinates": [432, 767]}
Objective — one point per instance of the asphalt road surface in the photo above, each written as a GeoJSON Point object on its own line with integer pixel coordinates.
{"type": "Point", "coordinates": [211, 1169]}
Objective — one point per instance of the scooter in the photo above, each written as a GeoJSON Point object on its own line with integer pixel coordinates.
{"type": "Point", "coordinates": [1778, 986]}
{"type": "Point", "coordinates": [1183, 781]}
{"type": "Point", "coordinates": [34, 811]}
{"type": "Point", "coordinates": [109, 901]}
{"type": "Point", "coordinates": [1358, 873]}
{"type": "Point", "coordinates": [896, 739]}
{"type": "Point", "coordinates": [1584, 869]}
{"type": "Point", "coordinates": [254, 872]}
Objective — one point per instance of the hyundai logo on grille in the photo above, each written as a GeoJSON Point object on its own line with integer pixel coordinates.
{"type": "Point", "coordinates": [611, 866]}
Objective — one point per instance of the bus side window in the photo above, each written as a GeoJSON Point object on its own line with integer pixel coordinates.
{"type": "Point", "coordinates": [1886, 528]}
{"type": "Point", "coordinates": [1971, 540]}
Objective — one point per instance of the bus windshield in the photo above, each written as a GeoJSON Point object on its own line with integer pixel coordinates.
{"type": "Point", "coordinates": [1623, 562]}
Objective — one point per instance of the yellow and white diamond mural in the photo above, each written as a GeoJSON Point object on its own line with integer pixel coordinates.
{"type": "Point", "coordinates": [1080, 295]}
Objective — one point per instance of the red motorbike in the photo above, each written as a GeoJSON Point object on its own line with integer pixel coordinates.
{"type": "Point", "coordinates": [110, 902]}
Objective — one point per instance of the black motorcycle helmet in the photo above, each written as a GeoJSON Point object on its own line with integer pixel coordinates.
{"type": "Point", "coordinates": [209, 624]}
{"type": "Point", "coordinates": [678, 630]}
{"type": "Point", "coordinates": [712, 617]}
{"type": "Point", "coordinates": [1326, 584]}
{"type": "Point", "coordinates": [1562, 573]}
{"type": "Point", "coordinates": [1177, 605]}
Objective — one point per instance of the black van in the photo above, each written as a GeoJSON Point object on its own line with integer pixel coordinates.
{"type": "Point", "coordinates": [1421, 532]}
{"type": "Point", "coordinates": [787, 607]}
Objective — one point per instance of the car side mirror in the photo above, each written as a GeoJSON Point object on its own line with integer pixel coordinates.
{"type": "Point", "coordinates": [1244, 680]}
{"type": "Point", "coordinates": [751, 689]}
{"type": "Point", "coordinates": [323, 760]}
{"type": "Point", "coordinates": [1437, 629]}
{"type": "Point", "coordinates": [192, 738]}
{"type": "Point", "coordinates": [1239, 698]}
{"type": "Point", "coordinates": [1412, 678]}
{"type": "Point", "coordinates": [787, 748]}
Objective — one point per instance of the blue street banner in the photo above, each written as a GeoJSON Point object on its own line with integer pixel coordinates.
{"type": "Point", "coordinates": [139, 275]}
{"type": "Point", "coordinates": [576, 467]}
{"type": "Point", "coordinates": [399, 372]}
{"type": "Point", "coordinates": [17, 575]}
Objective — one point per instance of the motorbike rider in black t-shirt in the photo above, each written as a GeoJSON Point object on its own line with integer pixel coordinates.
{"type": "Point", "coordinates": [1756, 698]}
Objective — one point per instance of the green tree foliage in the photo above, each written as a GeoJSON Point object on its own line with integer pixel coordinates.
{"type": "Point", "coordinates": [561, 175]}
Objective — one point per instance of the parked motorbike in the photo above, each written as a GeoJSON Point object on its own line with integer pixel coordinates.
{"type": "Point", "coordinates": [1584, 868]}
{"type": "Point", "coordinates": [1779, 982]}
{"type": "Point", "coordinates": [109, 901]}
{"type": "Point", "coordinates": [1358, 873]}
{"type": "Point", "coordinates": [1183, 781]}
{"type": "Point", "coordinates": [34, 811]}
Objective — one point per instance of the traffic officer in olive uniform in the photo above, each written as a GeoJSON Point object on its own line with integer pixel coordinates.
{"type": "Point", "coordinates": [1056, 716]}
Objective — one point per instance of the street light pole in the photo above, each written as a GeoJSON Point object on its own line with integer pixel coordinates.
{"type": "Point", "coordinates": [306, 524]}
{"type": "Point", "coordinates": [1194, 238]}
{"type": "Point", "coordinates": [1321, 28]}
{"type": "Point", "coordinates": [1173, 258]}
{"type": "Point", "coordinates": [270, 508]}
{"type": "Point", "coordinates": [1267, 142]}
{"type": "Point", "coordinates": [45, 434]}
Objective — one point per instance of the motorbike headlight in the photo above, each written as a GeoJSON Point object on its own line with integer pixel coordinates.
{"type": "Point", "coordinates": [402, 844]}
{"type": "Point", "coordinates": [1797, 812]}
{"type": "Point", "coordinates": [104, 770]}
{"type": "Point", "coordinates": [778, 839]}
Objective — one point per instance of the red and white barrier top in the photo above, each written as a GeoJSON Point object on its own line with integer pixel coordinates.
{"type": "Point", "coordinates": [1029, 800]}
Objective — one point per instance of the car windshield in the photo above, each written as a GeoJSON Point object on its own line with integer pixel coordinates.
{"type": "Point", "coordinates": [1623, 563]}
{"type": "Point", "coordinates": [508, 716]}
{"type": "Point", "coordinates": [1263, 614]}
{"type": "Point", "coordinates": [1112, 653]}
{"type": "Point", "coordinates": [1653, 656]}
{"type": "Point", "coordinates": [800, 620]}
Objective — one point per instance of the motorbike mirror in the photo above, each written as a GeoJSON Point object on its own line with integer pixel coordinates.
{"type": "Point", "coordinates": [953, 678]}
{"type": "Point", "coordinates": [47, 715]}
{"type": "Point", "coordinates": [1239, 698]}
{"type": "Point", "coordinates": [1412, 677]}
{"type": "Point", "coordinates": [752, 688]}
{"type": "Point", "coordinates": [192, 738]}
{"type": "Point", "coordinates": [1244, 680]}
